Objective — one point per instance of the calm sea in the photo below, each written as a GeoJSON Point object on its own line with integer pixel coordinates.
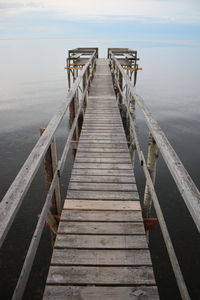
{"type": "Point", "coordinates": [33, 83]}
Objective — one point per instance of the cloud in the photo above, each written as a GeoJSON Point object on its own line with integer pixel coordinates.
{"type": "Point", "coordinates": [171, 11]}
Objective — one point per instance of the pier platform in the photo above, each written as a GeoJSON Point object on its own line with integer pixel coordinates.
{"type": "Point", "coordinates": [101, 250]}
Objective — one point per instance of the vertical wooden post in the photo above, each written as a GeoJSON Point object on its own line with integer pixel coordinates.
{"type": "Point", "coordinates": [135, 72]}
{"type": "Point", "coordinates": [151, 165]}
{"type": "Point", "coordinates": [132, 139]}
{"type": "Point", "coordinates": [85, 79]}
{"type": "Point", "coordinates": [121, 86]}
{"type": "Point", "coordinates": [50, 165]}
{"type": "Point", "coordinates": [73, 107]}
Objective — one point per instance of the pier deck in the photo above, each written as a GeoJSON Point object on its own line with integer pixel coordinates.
{"type": "Point", "coordinates": [100, 250]}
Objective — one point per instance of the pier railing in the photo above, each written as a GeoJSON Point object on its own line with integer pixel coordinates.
{"type": "Point", "coordinates": [127, 96]}
{"type": "Point", "coordinates": [75, 102]}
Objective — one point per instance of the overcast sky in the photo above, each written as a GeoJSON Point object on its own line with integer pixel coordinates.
{"type": "Point", "coordinates": [177, 20]}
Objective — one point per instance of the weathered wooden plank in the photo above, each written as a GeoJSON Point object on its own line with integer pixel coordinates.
{"type": "Point", "coordinates": [85, 186]}
{"type": "Point", "coordinates": [102, 123]}
{"type": "Point", "coordinates": [102, 172]}
{"type": "Point", "coordinates": [102, 97]}
{"type": "Point", "coordinates": [113, 166]}
{"type": "Point", "coordinates": [107, 117]}
{"type": "Point", "coordinates": [100, 293]}
{"type": "Point", "coordinates": [101, 241]}
{"type": "Point", "coordinates": [103, 179]}
{"type": "Point", "coordinates": [106, 216]}
{"type": "Point", "coordinates": [107, 142]}
{"type": "Point", "coordinates": [103, 112]}
{"type": "Point", "coordinates": [102, 205]}
{"type": "Point", "coordinates": [103, 160]}
{"type": "Point", "coordinates": [103, 275]}
{"type": "Point", "coordinates": [101, 129]}
{"type": "Point", "coordinates": [114, 146]}
{"type": "Point", "coordinates": [102, 195]}
{"type": "Point", "coordinates": [102, 135]}
{"type": "Point", "coordinates": [102, 155]}
{"type": "Point", "coordinates": [101, 257]}
{"type": "Point", "coordinates": [101, 228]}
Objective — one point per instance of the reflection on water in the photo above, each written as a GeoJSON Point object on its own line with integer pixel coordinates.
{"type": "Point", "coordinates": [33, 84]}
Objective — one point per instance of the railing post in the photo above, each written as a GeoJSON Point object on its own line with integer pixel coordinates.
{"type": "Point", "coordinates": [151, 165]}
{"type": "Point", "coordinates": [85, 79]}
{"type": "Point", "coordinates": [121, 86]}
{"type": "Point", "coordinates": [50, 165]}
{"type": "Point", "coordinates": [72, 114]}
{"type": "Point", "coordinates": [132, 139]}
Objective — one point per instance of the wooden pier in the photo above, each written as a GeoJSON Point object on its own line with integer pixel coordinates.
{"type": "Point", "coordinates": [101, 242]}
{"type": "Point", "coordinates": [101, 250]}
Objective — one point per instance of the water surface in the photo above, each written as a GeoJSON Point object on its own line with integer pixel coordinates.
{"type": "Point", "coordinates": [34, 83]}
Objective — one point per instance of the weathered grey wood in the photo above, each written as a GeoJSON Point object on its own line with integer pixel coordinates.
{"type": "Point", "coordinates": [101, 228]}
{"type": "Point", "coordinates": [101, 257]}
{"type": "Point", "coordinates": [106, 216]}
{"type": "Point", "coordinates": [102, 186]}
{"type": "Point", "coordinates": [50, 167]}
{"type": "Point", "coordinates": [100, 224]}
{"type": "Point", "coordinates": [113, 166]}
{"type": "Point", "coordinates": [100, 112]}
{"type": "Point", "coordinates": [102, 205]}
{"type": "Point", "coordinates": [109, 145]}
{"type": "Point", "coordinates": [11, 202]}
{"type": "Point", "coordinates": [103, 128]}
{"type": "Point", "coordinates": [103, 160]}
{"type": "Point", "coordinates": [101, 241]}
{"type": "Point", "coordinates": [120, 155]}
{"type": "Point", "coordinates": [103, 275]}
{"type": "Point", "coordinates": [100, 293]}
{"type": "Point", "coordinates": [186, 186]}
{"type": "Point", "coordinates": [172, 255]}
{"type": "Point", "coordinates": [103, 179]}
{"type": "Point", "coordinates": [103, 135]}
{"type": "Point", "coordinates": [104, 117]}
{"type": "Point", "coordinates": [102, 195]}
{"type": "Point", "coordinates": [26, 269]}
{"type": "Point", "coordinates": [152, 156]}
{"type": "Point", "coordinates": [102, 172]}
{"type": "Point", "coordinates": [106, 142]}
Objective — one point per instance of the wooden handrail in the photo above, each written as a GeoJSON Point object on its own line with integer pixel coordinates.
{"type": "Point", "coordinates": [183, 181]}
{"type": "Point", "coordinates": [186, 186]}
{"type": "Point", "coordinates": [11, 202]}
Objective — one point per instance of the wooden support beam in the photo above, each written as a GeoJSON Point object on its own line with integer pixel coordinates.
{"type": "Point", "coordinates": [74, 68]}
{"type": "Point", "coordinates": [132, 68]}
{"type": "Point", "coordinates": [50, 166]}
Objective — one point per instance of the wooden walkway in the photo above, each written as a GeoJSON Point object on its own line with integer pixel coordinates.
{"type": "Point", "coordinates": [101, 250]}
